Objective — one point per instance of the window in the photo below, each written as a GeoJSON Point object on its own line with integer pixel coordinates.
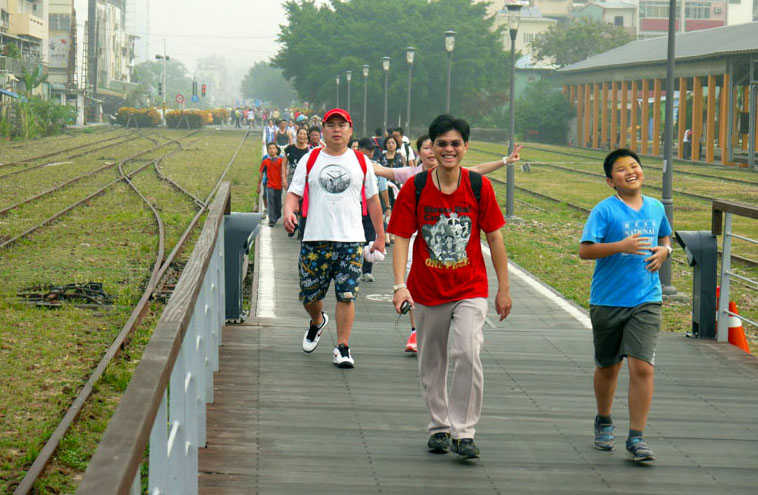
{"type": "Point", "coordinates": [528, 37]}
{"type": "Point", "coordinates": [61, 22]}
{"type": "Point", "coordinates": [618, 20]}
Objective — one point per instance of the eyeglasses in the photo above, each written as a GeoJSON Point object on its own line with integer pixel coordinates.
{"type": "Point", "coordinates": [335, 125]}
{"type": "Point", "coordinates": [445, 144]}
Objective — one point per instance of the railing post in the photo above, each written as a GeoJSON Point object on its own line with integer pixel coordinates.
{"type": "Point", "coordinates": [158, 475]}
{"type": "Point", "coordinates": [726, 261]}
{"type": "Point", "coordinates": [190, 405]}
{"type": "Point", "coordinates": [177, 455]}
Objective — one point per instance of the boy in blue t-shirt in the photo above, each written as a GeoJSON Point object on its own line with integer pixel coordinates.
{"type": "Point", "coordinates": [629, 236]}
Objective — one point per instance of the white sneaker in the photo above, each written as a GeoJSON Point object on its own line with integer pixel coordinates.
{"type": "Point", "coordinates": [341, 357]}
{"type": "Point", "coordinates": [367, 277]}
{"type": "Point", "coordinates": [313, 334]}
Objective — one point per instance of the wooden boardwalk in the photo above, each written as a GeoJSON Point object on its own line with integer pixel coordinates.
{"type": "Point", "coordinates": [288, 422]}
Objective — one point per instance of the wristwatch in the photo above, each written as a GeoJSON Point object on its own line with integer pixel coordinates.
{"type": "Point", "coordinates": [505, 160]}
{"type": "Point", "coordinates": [670, 250]}
{"type": "Point", "coordinates": [397, 287]}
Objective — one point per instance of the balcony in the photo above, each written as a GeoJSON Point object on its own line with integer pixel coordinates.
{"type": "Point", "coordinates": [28, 25]}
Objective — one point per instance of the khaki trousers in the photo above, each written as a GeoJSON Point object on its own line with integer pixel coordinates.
{"type": "Point", "coordinates": [459, 412]}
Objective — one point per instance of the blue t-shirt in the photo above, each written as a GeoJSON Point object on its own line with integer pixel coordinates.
{"type": "Point", "coordinates": [621, 279]}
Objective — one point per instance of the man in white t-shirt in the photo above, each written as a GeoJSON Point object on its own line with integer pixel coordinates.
{"type": "Point", "coordinates": [333, 240]}
{"type": "Point", "coordinates": [405, 148]}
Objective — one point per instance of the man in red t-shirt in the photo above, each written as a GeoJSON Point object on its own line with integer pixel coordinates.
{"type": "Point", "coordinates": [447, 283]}
{"type": "Point", "coordinates": [275, 182]}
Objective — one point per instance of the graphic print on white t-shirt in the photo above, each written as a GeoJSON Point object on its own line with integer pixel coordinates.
{"type": "Point", "coordinates": [447, 239]}
{"type": "Point", "coordinates": [334, 179]}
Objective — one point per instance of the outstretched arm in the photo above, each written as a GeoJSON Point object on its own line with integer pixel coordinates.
{"type": "Point", "coordinates": [486, 168]}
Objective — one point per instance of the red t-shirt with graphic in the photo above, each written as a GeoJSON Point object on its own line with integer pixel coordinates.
{"type": "Point", "coordinates": [273, 171]}
{"type": "Point", "coordinates": [447, 256]}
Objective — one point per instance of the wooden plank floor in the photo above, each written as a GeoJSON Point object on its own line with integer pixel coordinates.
{"type": "Point", "coordinates": [288, 422]}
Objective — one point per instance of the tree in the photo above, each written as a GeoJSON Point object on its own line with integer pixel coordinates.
{"type": "Point", "coordinates": [577, 39]}
{"type": "Point", "coordinates": [149, 74]}
{"type": "Point", "coordinates": [544, 109]}
{"type": "Point", "coordinates": [32, 79]}
{"type": "Point", "coordinates": [268, 83]}
{"type": "Point", "coordinates": [321, 42]}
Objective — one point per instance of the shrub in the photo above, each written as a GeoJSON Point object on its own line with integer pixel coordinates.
{"type": "Point", "coordinates": [180, 118]}
{"type": "Point", "coordinates": [220, 115]}
{"type": "Point", "coordinates": [144, 117]}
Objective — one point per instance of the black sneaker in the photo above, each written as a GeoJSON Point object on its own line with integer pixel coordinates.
{"type": "Point", "coordinates": [465, 448]}
{"type": "Point", "coordinates": [439, 443]}
{"type": "Point", "coordinates": [341, 357]}
{"type": "Point", "coordinates": [313, 334]}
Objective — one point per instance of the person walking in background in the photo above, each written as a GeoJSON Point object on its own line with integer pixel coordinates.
{"type": "Point", "coordinates": [628, 235]}
{"type": "Point", "coordinates": [335, 184]}
{"type": "Point", "coordinates": [269, 133]}
{"type": "Point", "coordinates": [282, 136]}
{"type": "Point", "coordinates": [449, 207]}
{"type": "Point", "coordinates": [276, 180]}
{"type": "Point", "coordinates": [292, 155]}
{"type": "Point", "coordinates": [404, 146]}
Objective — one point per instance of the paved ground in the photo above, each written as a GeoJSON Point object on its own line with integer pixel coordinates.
{"type": "Point", "coordinates": [287, 422]}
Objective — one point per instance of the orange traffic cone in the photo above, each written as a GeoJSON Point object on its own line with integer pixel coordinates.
{"type": "Point", "coordinates": [736, 332]}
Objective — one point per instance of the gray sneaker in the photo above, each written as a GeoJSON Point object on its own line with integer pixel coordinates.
{"type": "Point", "coordinates": [439, 443]}
{"type": "Point", "coordinates": [604, 439]}
{"type": "Point", "coordinates": [639, 450]}
{"type": "Point", "coordinates": [465, 448]}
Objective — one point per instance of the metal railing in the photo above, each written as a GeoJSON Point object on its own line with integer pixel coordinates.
{"type": "Point", "coordinates": [164, 404]}
{"type": "Point", "coordinates": [721, 223]}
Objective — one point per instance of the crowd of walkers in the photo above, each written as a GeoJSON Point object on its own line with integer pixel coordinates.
{"type": "Point", "coordinates": [346, 198]}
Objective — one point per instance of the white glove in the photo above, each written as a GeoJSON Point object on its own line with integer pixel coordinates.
{"type": "Point", "coordinates": [374, 257]}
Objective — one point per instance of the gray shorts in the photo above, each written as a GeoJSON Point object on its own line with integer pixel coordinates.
{"type": "Point", "coordinates": [620, 332]}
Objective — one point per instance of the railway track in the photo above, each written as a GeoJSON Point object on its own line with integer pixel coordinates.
{"type": "Point", "coordinates": [60, 213]}
{"type": "Point", "coordinates": [686, 194]}
{"type": "Point", "coordinates": [652, 167]}
{"type": "Point", "coordinates": [586, 211]}
{"type": "Point", "coordinates": [65, 150]}
{"type": "Point", "coordinates": [160, 267]}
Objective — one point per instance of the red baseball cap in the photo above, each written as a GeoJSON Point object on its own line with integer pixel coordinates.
{"type": "Point", "coordinates": [338, 111]}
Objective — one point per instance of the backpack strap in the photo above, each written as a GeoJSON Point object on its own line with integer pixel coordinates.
{"type": "Point", "coordinates": [476, 184]}
{"type": "Point", "coordinates": [308, 166]}
{"type": "Point", "coordinates": [362, 161]}
{"type": "Point", "coordinates": [475, 179]}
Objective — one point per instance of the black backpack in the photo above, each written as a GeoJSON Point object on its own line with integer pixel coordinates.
{"type": "Point", "coordinates": [419, 181]}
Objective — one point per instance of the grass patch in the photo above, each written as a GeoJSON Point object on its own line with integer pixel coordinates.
{"type": "Point", "coordinates": [47, 355]}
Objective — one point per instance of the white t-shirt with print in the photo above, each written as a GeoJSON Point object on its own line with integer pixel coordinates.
{"type": "Point", "coordinates": [334, 196]}
{"type": "Point", "coordinates": [411, 155]}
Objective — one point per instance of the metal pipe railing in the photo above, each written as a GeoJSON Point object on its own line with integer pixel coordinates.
{"type": "Point", "coordinates": [726, 210]}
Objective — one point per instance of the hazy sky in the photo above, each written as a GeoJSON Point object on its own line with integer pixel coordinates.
{"type": "Point", "coordinates": [242, 31]}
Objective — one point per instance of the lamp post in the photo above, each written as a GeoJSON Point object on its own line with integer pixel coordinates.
{"type": "Point", "coordinates": [338, 91]}
{"type": "Point", "coordinates": [165, 58]}
{"type": "Point", "coordinates": [410, 54]}
{"type": "Point", "coordinates": [365, 96]}
{"type": "Point", "coordinates": [348, 78]}
{"type": "Point", "coordinates": [514, 16]}
{"type": "Point", "coordinates": [386, 67]}
{"type": "Point", "coordinates": [449, 46]}
{"type": "Point", "coordinates": [667, 196]}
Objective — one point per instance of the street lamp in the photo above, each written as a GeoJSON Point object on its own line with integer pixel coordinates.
{"type": "Point", "coordinates": [386, 67]}
{"type": "Point", "coordinates": [514, 16]}
{"type": "Point", "coordinates": [449, 46]}
{"type": "Point", "coordinates": [338, 91]}
{"type": "Point", "coordinates": [410, 54]}
{"type": "Point", "coordinates": [348, 78]}
{"type": "Point", "coordinates": [365, 96]}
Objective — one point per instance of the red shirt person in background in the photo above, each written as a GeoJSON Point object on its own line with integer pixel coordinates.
{"type": "Point", "coordinates": [275, 182]}
{"type": "Point", "coordinates": [448, 282]}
